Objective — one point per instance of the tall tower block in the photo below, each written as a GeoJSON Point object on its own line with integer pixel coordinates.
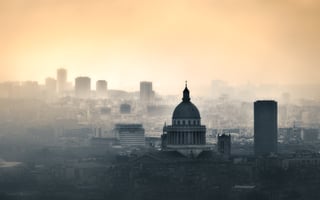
{"type": "Point", "coordinates": [265, 127]}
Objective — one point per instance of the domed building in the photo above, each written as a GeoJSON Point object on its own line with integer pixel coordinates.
{"type": "Point", "coordinates": [186, 131]}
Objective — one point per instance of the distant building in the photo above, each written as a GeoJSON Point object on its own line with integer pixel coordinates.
{"type": "Point", "coordinates": [30, 90]}
{"type": "Point", "coordinates": [302, 159]}
{"type": "Point", "coordinates": [105, 111]}
{"type": "Point", "coordinates": [125, 108]}
{"type": "Point", "coordinates": [130, 134]}
{"type": "Point", "coordinates": [224, 144]}
{"type": "Point", "coordinates": [310, 135]}
{"type": "Point", "coordinates": [61, 80]}
{"type": "Point", "coordinates": [156, 110]}
{"type": "Point", "coordinates": [51, 85]}
{"type": "Point", "coordinates": [103, 142]}
{"type": "Point", "coordinates": [98, 132]}
{"type": "Point", "coordinates": [83, 87]}
{"type": "Point", "coordinates": [101, 88]}
{"type": "Point", "coordinates": [290, 135]}
{"type": "Point", "coordinates": [265, 127]}
{"type": "Point", "coordinates": [146, 92]}
{"type": "Point", "coordinates": [186, 134]}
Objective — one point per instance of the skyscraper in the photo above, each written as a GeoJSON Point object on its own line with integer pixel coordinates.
{"type": "Point", "coordinates": [265, 127]}
{"type": "Point", "coordinates": [101, 88]}
{"type": "Point", "coordinates": [146, 92]}
{"type": "Point", "coordinates": [61, 80]}
{"type": "Point", "coordinates": [82, 87]}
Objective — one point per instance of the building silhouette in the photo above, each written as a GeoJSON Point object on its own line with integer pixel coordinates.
{"type": "Point", "coordinates": [265, 127]}
{"type": "Point", "coordinates": [83, 87]}
{"type": "Point", "coordinates": [101, 88]}
{"type": "Point", "coordinates": [186, 134]}
{"type": "Point", "coordinates": [61, 80]}
{"type": "Point", "coordinates": [224, 145]}
{"type": "Point", "coordinates": [50, 85]}
{"type": "Point", "coordinates": [130, 134]}
{"type": "Point", "coordinates": [146, 92]}
{"type": "Point", "coordinates": [125, 108]}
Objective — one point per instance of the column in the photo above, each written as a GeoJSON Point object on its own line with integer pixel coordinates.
{"type": "Point", "coordinates": [197, 138]}
{"type": "Point", "coordinates": [186, 135]}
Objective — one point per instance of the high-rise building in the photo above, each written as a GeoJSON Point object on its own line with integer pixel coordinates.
{"type": "Point", "coordinates": [83, 87]}
{"type": "Point", "coordinates": [130, 134]}
{"type": "Point", "coordinates": [265, 127]}
{"type": "Point", "coordinates": [61, 80]}
{"type": "Point", "coordinates": [224, 144]}
{"type": "Point", "coordinates": [101, 88]}
{"type": "Point", "coordinates": [146, 92]}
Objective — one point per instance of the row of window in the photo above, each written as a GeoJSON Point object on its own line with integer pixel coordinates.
{"type": "Point", "coordinates": [186, 122]}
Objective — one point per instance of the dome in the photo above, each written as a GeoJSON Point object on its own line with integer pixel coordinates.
{"type": "Point", "coordinates": [186, 109]}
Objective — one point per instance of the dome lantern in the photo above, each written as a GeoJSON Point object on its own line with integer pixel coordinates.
{"type": "Point", "coordinates": [186, 94]}
{"type": "Point", "coordinates": [186, 109]}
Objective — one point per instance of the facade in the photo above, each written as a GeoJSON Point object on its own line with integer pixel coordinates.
{"type": "Point", "coordinates": [224, 144]}
{"type": "Point", "coordinates": [186, 134]}
{"type": "Point", "coordinates": [61, 80]}
{"type": "Point", "coordinates": [146, 92]}
{"type": "Point", "coordinates": [265, 127]}
{"type": "Point", "coordinates": [101, 88]}
{"type": "Point", "coordinates": [82, 87]}
{"type": "Point", "coordinates": [130, 134]}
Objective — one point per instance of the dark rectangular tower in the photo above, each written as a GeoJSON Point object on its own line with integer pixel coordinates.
{"type": "Point", "coordinates": [265, 127]}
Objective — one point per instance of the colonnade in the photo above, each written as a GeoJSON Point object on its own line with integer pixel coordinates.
{"type": "Point", "coordinates": [191, 138]}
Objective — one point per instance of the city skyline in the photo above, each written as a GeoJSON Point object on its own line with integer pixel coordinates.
{"type": "Point", "coordinates": [149, 99]}
{"type": "Point", "coordinates": [166, 41]}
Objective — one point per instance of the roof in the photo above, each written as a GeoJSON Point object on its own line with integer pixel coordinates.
{"type": "Point", "coordinates": [186, 110]}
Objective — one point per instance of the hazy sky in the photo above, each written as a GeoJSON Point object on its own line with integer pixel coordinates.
{"type": "Point", "coordinates": [166, 41]}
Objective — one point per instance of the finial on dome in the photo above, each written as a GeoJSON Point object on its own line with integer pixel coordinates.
{"type": "Point", "coordinates": [186, 94]}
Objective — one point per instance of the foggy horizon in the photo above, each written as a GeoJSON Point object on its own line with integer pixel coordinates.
{"type": "Point", "coordinates": [252, 41]}
{"type": "Point", "coordinates": [159, 99]}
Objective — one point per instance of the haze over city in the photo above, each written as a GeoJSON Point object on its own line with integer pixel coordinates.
{"type": "Point", "coordinates": [159, 99]}
{"type": "Point", "coordinates": [167, 42]}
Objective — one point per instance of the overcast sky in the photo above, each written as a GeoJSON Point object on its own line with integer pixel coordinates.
{"type": "Point", "coordinates": [164, 41]}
